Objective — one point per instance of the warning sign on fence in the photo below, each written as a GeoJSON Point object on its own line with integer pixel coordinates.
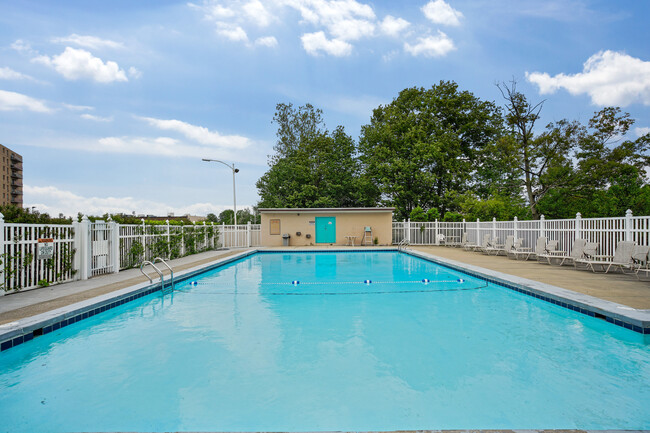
{"type": "Point", "coordinates": [45, 249]}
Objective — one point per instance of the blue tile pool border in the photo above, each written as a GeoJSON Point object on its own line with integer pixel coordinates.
{"type": "Point", "coordinates": [30, 328]}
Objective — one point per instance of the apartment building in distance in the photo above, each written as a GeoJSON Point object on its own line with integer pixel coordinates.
{"type": "Point", "coordinates": [12, 177]}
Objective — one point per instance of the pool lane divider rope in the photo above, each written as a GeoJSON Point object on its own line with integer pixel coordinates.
{"type": "Point", "coordinates": [365, 292]}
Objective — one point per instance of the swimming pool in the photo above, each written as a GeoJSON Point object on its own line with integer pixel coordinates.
{"type": "Point", "coordinates": [247, 348]}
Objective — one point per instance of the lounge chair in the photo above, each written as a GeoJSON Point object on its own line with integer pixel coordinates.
{"type": "Point", "coordinates": [492, 246]}
{"type": "Point", "coordinates": [517, 247]}
{"type": "Point", "coordinates": [485, 244]}
{"type": "Point", "coordinates": [507, 246]}
{"type": "Point", "coordinates": [526, 253]}
{"type": "Point", "coordinates": [622, 258]}
{"type": "Point", "coordinates": [577, 252]}
{"type": "Point", "coordinates": [464, 243]}
{"type": "Point", "coordinates": [548, 249]}
{"type": "Point", "coordinates": [640, 261]}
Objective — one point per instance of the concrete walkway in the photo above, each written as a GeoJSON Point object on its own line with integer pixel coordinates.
{"type": "Point", "coordinates": [20, 305]}
{"type": "Point", "coordinates": [620, 288]}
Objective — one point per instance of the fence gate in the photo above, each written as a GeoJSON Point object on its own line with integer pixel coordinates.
{"type": "Point", "coordinates": [101, 259]}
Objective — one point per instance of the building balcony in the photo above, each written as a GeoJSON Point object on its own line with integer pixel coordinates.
{"type": "Point", "coordinates": [16, 158]}
{"type": "Point", "coordinates": [17, 183]}
{"type": "Point", "coordinates": [17, 199]}
{"type": "Point", "coordinates": [16, 175]}
{"type": "Point", "coordinates": [17, 167]}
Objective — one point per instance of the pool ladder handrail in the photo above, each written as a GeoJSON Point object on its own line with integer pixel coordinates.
{"type": "Point", "coordinates": [403, 244]}
{"type": "Point", "coordinates": [159, 272]}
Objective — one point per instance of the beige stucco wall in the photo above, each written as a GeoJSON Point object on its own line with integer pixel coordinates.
{"type": "Point", "coordinates": [347, 223]}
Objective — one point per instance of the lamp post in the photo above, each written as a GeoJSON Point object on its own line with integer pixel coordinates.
{"type": "Point", "coordinates": [234, 195]}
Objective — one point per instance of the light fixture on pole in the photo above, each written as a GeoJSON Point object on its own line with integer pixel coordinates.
{"type": "Point", "coordinates": [234, 195]}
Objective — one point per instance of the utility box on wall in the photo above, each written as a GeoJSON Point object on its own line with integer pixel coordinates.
{"type": "Point", "coordinates": [325, 226]}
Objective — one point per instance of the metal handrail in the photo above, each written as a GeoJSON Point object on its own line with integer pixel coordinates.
{"type": "Point", "coordinates": [147, 262]}
{"type": "Point", "coordinates": [402, 244]}
{"type": "Point", "coordinates": [161, 260]}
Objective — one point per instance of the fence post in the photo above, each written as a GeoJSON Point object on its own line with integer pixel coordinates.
{"type": "Point", "coordinates": [516, 226]}
{"type": "Point", "coordinates": [436, 232]}
{"type": "Point", "coordinates": [248, 234]}
{"type": "Point", "coordinates": [578, 226]}
{"type": "Point", "coordinates": [408, 230]}
{"type": "Point", "coordinates": [223, 234]}
{"type": "Point", "coordinates": [82, 245]}
{"type": "Point", "coordinates": [115, 245]}
{"type": "Point", "coordinates": [143, 239]}
{"type": "Point", "coordinates": [2, 250]}
{"type": "Point", "coordinates": [169, 241]}
{"type": "Point", "coordinates": [494, 228]}
{"type": "Point", "coordinates": [542, 226]}
{"type": "Point", "coordinates": [628, 226]}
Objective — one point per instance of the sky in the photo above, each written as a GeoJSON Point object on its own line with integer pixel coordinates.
{"type": "Point", "coordinates": [114, 104]}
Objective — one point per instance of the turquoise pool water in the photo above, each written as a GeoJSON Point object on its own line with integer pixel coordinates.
{"type": "Point", "coordinates": [245, 350]}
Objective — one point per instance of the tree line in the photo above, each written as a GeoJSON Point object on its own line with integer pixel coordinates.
{"type": "Point", "coordinates": [443, 153]}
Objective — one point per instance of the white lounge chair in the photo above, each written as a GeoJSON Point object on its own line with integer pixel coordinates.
{"type": "Point", "coordinates": [622, 258]}
{"type": "Point", "coordinates": [486, 243]}
{"type": "Point", "coordinates": [525, 253]}
{"type": "Point", "coordinates": [517, 247]}
{"type": "Point", "coordinates": [465, 244]}
{"type": "Point", "coordinates": [577, 252]}
{"type": "Point", "coordinates": [640, 261]}
{"type": "Point", "coordinates": [507, 246]}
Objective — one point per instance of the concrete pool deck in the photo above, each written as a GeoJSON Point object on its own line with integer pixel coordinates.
{"type": "Point", "coordinates": [621, 289]}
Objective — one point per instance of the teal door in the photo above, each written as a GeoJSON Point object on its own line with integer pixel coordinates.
{"type": "Point", "coordinates": [325, 230]}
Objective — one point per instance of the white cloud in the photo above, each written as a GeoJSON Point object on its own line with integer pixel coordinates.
{"type": "Point", "coordinates": [439, 12]}
{"type": "Point", "coordinates": [23, 47]}
{"type": "Point", "coordinates": [75, 64]}
{"type": "Point", "coordinates": [315, 43]}
{"type": "Point", "coordinates": [608, 77]}
{"type": "Point", "coordinates": [53, 200]}
{"type": "Point", "coordinates": [232, 32]}
{"type": "Point", "coordinates": [200, 134]}
{"type": "Point", "coordinates": [431, 46]}
{"type": "Point", "coordinates": [640, 131]}
{"type": "Point", "coordinates": [392, 26]}
{"type": "Point", "coordinates": [7, 73]}
{"type": "Point", "coordinates": [78, 107]}
{"type": "Point", "coordinates": [257, 13]}
{"type": "Point", "coordinates": [12, 101]}
{"type": "Point", "coordinates": [134, 73]}
{"type": "Point", "coordinates": [92, 42]}
{"type": "Point", "coordinates": [96, 118]}
{"type": "Point", "coordinates": [267, 41]}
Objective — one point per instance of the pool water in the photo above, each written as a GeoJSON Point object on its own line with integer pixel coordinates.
{"type": "Point", "coordinates": [245, 349]}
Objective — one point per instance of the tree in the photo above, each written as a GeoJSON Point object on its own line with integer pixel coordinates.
{"type": "Point", "coordinates": [312, 167]}
{"type": "Point", "coordinates": [543, 162]}
{"type": "Point", "coordinates": [609, 174]}
{"type": "Point", "coordinates": [423, 148]}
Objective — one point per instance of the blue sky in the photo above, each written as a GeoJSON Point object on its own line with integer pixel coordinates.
{"type": "Point", "coordinates": [113, 104]}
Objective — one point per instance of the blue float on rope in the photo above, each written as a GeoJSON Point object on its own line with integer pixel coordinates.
{"type": "Point", "coordinates": [425, 280]}
{"type": "Point", "coordinates": [193, 283]}
{"type": "Point", "coordinates": [460, 280]}
{"type": "Point", "coordinates": [367, 281]}
{"type": "Point", "coordinates": [295, 282]}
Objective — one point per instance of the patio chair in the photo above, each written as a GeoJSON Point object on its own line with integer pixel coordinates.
{"type": "Point", "coordinates": [466, 245]}
{"type": "Point", "coordinates": [622, 258]}
{"type": "Point", "coordinates": [548, 250]}
{"type": "Point", "coordinates": [493, 245]}
{"type": "Point", "coordinates": [517, 247]}
{"type": "Point", "coordinates": [486, 243]}
{"type": "Point", "coordinates": [507, 246]}
{"type": "Point", "coordinates": [640, 261]}
{"type": "Point", "coordinates": [526, 253]}
{"type": "Point", "coordinates": [577, 252]}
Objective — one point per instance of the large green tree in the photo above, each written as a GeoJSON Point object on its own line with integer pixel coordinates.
{"type": "Point", "coordinates": [312, 167]}
{"type": "Point", "coordinates": [426, 146]}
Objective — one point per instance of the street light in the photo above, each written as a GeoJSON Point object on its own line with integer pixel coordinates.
{"type": "Point", "coordinates": [234, 170]}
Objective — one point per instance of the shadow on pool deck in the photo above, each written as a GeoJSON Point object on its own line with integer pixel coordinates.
{"type": "Point", "coordinates": [622, 289]}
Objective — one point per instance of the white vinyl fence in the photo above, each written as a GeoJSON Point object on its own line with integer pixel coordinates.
{"type": "Point", "coordinates": [85, 249]}
{"type": "Point", "coordinates": [607, 232]}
